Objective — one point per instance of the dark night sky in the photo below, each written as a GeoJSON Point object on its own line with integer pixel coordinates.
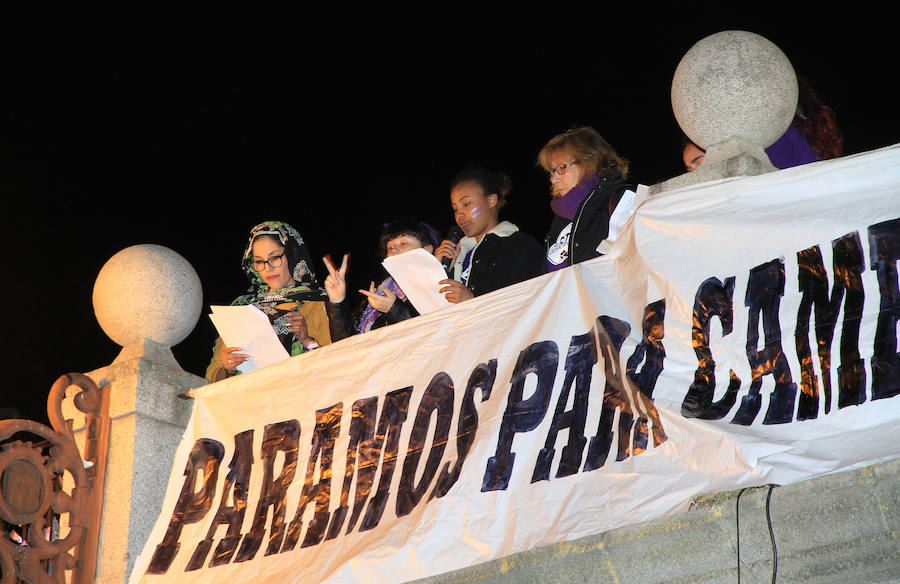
{"type": "Point", "coordinates": [185, 129]}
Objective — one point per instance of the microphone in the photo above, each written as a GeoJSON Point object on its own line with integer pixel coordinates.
{"type": "Point", "coordinates": [454, 235]}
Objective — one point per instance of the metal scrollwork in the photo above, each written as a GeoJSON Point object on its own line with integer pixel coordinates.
{"type": "Point", "coordinates": [46, 482]}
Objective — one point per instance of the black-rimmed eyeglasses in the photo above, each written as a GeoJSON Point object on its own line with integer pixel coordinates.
{"type": "Point", "coordinates": [273, 262]}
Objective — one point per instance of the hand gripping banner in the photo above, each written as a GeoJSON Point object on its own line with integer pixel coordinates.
{"type": "Point", "coordinates": [738, 333]}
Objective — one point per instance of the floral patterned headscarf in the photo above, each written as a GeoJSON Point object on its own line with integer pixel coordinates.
{"type": "Point", "coordinates": [277, 303]}
{"type": "Point", "coordinates": [295, 251]}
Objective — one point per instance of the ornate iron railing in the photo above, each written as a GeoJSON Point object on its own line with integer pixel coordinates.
{"type": "Point", "coordinates": [51, 495]}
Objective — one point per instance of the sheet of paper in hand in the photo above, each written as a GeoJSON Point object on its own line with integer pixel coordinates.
{"type": "Point", "coordinates": [248, 327]}
{"type": "Point", "coordinates": [417, 272]}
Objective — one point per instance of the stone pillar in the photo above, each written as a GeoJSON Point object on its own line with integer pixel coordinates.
{"type": "Point", "coordinates": [146, 298]}
{"type": "Point", "coordinates": [734, 94]}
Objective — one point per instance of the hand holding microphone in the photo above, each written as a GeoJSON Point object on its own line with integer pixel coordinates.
{"type": "Point", "coordinates": [449, 248]}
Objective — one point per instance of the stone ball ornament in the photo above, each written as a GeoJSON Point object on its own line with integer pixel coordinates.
{"type": "Point", "coordinates": [147, 291]}
{"type": "Point", "coordinates": [734, 84]}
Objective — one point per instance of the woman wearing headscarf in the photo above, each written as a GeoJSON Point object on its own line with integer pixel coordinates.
{"type": "Point", "coordinates": [283, 286]}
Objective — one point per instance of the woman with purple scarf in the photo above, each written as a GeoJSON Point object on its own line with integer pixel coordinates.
{"type": "Point", "coordinates": [587, 179]}
{"type": "Point", "coordinates": [386, 304]}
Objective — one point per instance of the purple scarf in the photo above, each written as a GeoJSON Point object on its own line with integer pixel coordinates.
{"type": "Point", "coordinates": [791, 150]}
{"type": "Point", "coordinates": [369, 315]}
{"type": "Point", "coordinates": [567, 205]}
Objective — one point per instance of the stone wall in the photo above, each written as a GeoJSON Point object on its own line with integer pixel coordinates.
{"type": "Point", "coordinates": [839, 528]}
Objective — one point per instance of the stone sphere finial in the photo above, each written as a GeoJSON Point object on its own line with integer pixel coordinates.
{"type": "Point", "coordinates": [147, 292]}
{"type": "Point", "coordinates": [734, 84]}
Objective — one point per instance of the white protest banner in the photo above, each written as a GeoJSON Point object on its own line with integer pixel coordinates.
{"type": "Point", "coordinates": [738, 333]}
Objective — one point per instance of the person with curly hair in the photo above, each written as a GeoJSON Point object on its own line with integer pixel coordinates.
{"type": "Point", "coordinates": [813, 134]}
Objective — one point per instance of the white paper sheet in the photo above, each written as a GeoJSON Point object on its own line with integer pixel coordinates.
{"type": "Point", "coordinates": [417, 272]}
{"type": "Point", "coordinates": [247, 327]}
{"type": "Point", "coordinates": [626, 207]}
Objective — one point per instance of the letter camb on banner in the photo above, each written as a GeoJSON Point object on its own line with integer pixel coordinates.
{"type": "Point", "coordinates": [738, 333]}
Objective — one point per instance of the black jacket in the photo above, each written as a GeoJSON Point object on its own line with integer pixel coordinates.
{"type": "Point", "coordinates": [590, 225]}
{"type": "Point", "coordinates": [503, 261]}
{"type": "Point", "coordinates": [340, 317]}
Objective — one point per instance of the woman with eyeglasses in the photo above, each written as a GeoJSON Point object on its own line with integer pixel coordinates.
{"type": "Point", "coordinates": [587, 180]}
{"type": "Point", "coordinates": [283, 286]}
{"type": "Point", "coordinates": [493, 254]}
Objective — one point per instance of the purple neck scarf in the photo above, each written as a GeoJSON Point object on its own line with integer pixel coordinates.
{"type": "Point", "coordinates": [370, 314]}
{"type": "Point", "coordinates": [567, 205]}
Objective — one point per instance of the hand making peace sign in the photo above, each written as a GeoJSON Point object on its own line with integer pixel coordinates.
{"type": "Point", "coordinates": [336, 282]}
